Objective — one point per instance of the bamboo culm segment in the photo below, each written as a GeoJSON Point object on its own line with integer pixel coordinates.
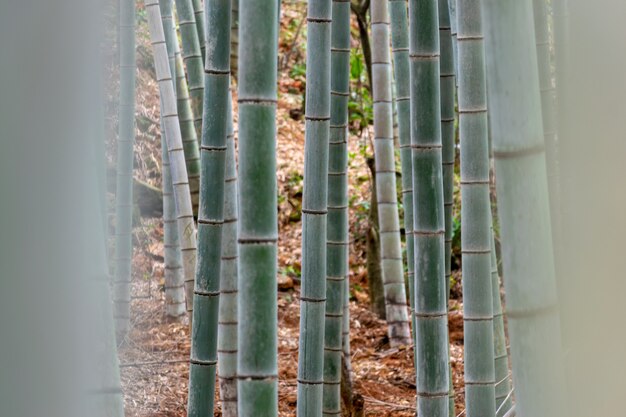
{"type": "Point", "coordinates": [314, 209]}
{"type": "Point", "coordinates": [548, 113]}
{"type": "Point", "coordinates": [454, 35]}
{"type": "Point", "coordinates": [210, 210]}
{"type": "Point", "coordinates": [386, 194]}
{"type": "Point", "coordinates": [124, 198]}
{"type": "Point", "coordinates": [257, 368]}
{"type": "Point", "coordinates": [501, 356]}
{"type": "Point", "coordinates": [227, 327]}
{"type": "Point", "coordinates": [192, 58]}
{"type": "Point", "coordinates": [475, 214]}
{"type": "Point", "coordinates": [532, 309]}
{"type": "Point", "coordinates": [400, 47]}
{"type": "Point", "coordinates": [337, 228]}
{"type": "Point", "coordinates": [174, 280]}
{"type": "Point", "coordinates": [182, 197]}
{"type": "Point", "coordinates": [198, 13]}
{"type": "Point", "coordinates": [431, 316]}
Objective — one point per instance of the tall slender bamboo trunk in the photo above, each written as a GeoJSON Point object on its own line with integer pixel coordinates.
{"type": "Point", "coordinates": [431, 314]}
{"type": "Point", "coordinates": [192, 58]}
{"type": "Point", "coordinates": [476, 232]}
{"type": "Point", "coordinates": [182, 198]}
{"type": "Point", "coordinates": [126, 139]}
{"type": "Point", "coordinates": [386, 195]}
{"type": "Point", "coordinates": [454, 35]}
{"type": "Point", "coordinates": [257, 367]}
{"type": "Point", "coordinates": [227, 328]}
{"type": "Point", "coordinates": [400, 47]}
{"type": "Point", "coordinates": [345, 329]}
{"type": "Point", "coordinates": [234, 38]}
{"type": "Point", "coordinates": [501, 355]}
{"type": "Point", "coordinates": [532, 309]}
{"type": "Point", "coordinates": [198, 12]}
{"type": "Point", "coordinates": [203, 362]}
{"type": "Point", "coordinates": [337, 243]}
{"type": "Point", "coordinates": [548, 113]}
{"type": "Point", "coordinates": [314, 209]}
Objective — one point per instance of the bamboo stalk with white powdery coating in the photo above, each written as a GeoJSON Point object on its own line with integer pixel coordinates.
{"type": "Point", "coordinates": [124, 198]}
{"type": "Point", "coordinates": [387, 198]}
{"type": "Point", "coordinates": [454, 34]}
{"type": "Point", "coordinates": [174, 280]}
{"type": "Point", "coordinates": [203, 363]}
{"type": "Point", "coordinates": [314, 209]}
{"type": "Point", "coordinates": [182, 198]}
{"type": "Point", "coordinates": [257, 367]}
{"type": "Point", "coordinates": [227, 326]}
{"type": "Point", "coordinates": [198, 12]}
{"type": "Point", "coordinates": [195, 78]}
{"type": "Point", "coordinates": [337, 243]}
{"type": "Point", "coordinates": [431, 313]}
{"type": "Point", "coordinates": [518, 147]}
{"type": "Point", "coordinates": [476, 230]}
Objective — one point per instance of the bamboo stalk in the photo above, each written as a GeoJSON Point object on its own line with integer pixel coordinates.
{"type": "Point", "coordinates": [182, 198]}
{"type": "Point", "coordinates": [228, 324]}
{"type": "Point", "coordinates": [476, 233]}
{"type": "Point", "coordinates": [337, 243]}
{"type": "Point", "coordinates": [257, 366]}
{"type": "Point", "coordinates": [400, 47]}
{"type": "Point", "coordinates": [386, 195]}
{"type": "Point", "coordinates": [124, 200]}
{"type": "Point", "coordinates": [210, 210]}
{"type": "Point", "coordinates": [523, 206]}
{"type": "Point", "coordinates": [314, 209]}
{"type": "Point", "coordinates": [431, 314]}
{"type": "Point", "coordinates": [198, 12]}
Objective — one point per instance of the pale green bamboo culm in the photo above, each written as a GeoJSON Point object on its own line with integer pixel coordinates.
{"type": "Point", "coordinates": [314, 209]}
{"type": "Point", "coordinates": [400, 47]}
{"type": "Point", "coordinates": [198, 12]}
{"type": "Point", "coordinates": [257, 367]}
{"type": "Point", "coordinates": [476, 232]}
{"type": "Point", "coordinates": [195, 78]}
{"type": "Point", "coordinates": [228, 324]}
{"type": "Point", "coordinates": [398, 327]}
{"type": "Point", "coordinates": [337, 236]}
{"type": "Point", "coordinates": [431, 312]}
{"type": "Point", "coordinates": [524, 209]}
{"type": "Point", "coordinates": [124, 198]}
{"type": "Point", "coordinates": [169, 115]}
{"type": "Point", "coordinates": [203, 363]}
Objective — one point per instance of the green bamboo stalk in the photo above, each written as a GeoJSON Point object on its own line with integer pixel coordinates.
{"type": "Point", "coordinates": [475, 214]}
{"type": "Point", "coordinates": [501, 356]}
{"type": "Point", "coordinates": [391, 252]}
{"type": "Point", "coordinates": [182, 198]}
{"type": "Point", "coordinates": [314, 209]}
{"type": "Point", "coordinates": [257, 367]}
{"type": "Point", "coordinates": [234, 38]}
{"type": "Point", "coordinates": [400, 47]}
{"type": "Point", "coordinates": [198, 11]}
{"type": "Point", "coordinates": [203, 363]}
{"type": "Point", "coordinates": [454, 35]}
{"type": "Point", "coordinates": [192, 58]}
{"type": "Point", "coordinates": [227, 327]}
{"type": "Point", "coordinates": [523, 206]}
{"type": "Point", "coordinates": [431, 314]}
{"type": "Point", "coordinates": [126, 139]}
{"type": "Point", "coordinates": [548, 113]}
{"type": "Point", "coordinates": [345, 329]}
{"type": "Point", "coordinates": [174, 280]}
{"type": "Point", "coordinates": [337, 228]}
{"type": "Point", "coordinates": [185, 118]}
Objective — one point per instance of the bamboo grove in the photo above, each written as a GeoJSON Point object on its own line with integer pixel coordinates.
{"type": "Point", "coordinates": [459, 74]}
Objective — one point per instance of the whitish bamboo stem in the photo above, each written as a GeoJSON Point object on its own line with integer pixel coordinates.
{"type": "Point", "coordinates": [198, 11]}
{"type": "Point", "coordinates": [476, 233]}
{"type": "Point", "coordinates": [337, 243]}
{"type": "Point", "coordinates": [431, 313]}
{"type": "Point", "coordinates": [126, 139]}
{"type": "Point", "coordinates": [257, 368]}
{"type": "Point", "coordinates": [523, 207]}
{"type": "Point", "coordinates": [182, 198]}
{"type": "Point", "coordinates": [386, 194]}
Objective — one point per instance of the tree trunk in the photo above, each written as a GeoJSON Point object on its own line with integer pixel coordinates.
{"type": "Point", "coordinates": [431, 314]}
{"type": "Point", "coordinates": [374, 271]}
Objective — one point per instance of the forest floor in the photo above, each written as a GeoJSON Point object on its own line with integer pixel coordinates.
{"type": "Point", "coordinates": [154, 356]}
